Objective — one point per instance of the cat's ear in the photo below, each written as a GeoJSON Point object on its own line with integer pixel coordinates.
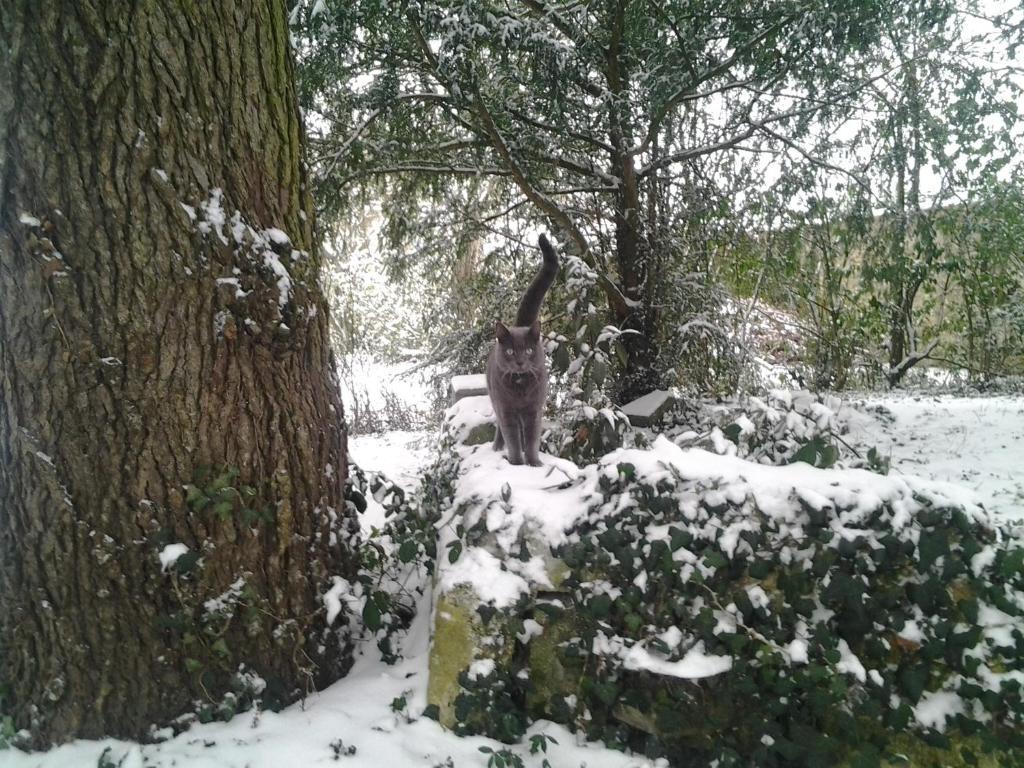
{"type": "Point", "coordinates": [535, 330]}
{"type": "Point", "coordinates": [501, 332]}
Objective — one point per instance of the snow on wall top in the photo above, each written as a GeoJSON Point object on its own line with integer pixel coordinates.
{"type": "Point", "coordinates": [471, 381]}
{"type": "Point", "coordinates": [647, 407]}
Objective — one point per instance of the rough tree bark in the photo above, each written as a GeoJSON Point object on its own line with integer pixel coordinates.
{"type": "Point", "coordinates": [632, 245]}
{"type": "Point", "coordinates": [161, 326]}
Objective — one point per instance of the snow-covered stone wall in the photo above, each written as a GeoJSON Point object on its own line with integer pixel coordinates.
{"type": "Point", "coordinates": [647, 595]}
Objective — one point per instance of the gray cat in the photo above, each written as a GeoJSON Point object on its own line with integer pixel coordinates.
{"type": "Point", "coordinates": [517, 372]}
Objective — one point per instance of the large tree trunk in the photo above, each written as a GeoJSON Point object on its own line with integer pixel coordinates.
{"type": "Point", "coordinates": [158, 330]}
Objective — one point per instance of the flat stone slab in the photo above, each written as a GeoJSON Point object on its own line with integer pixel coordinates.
{"type": "Point", "coordinates": [648, 410]}
{"type": "Point", "coordinates": [470, 385]}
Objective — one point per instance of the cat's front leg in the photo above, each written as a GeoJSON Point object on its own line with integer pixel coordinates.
{"type": "Point", "coordinates": [531, 438]}
{"type": "Point", "coordinates": [499, 417]}
{"type": "Point", "coordinates": [513, 433]}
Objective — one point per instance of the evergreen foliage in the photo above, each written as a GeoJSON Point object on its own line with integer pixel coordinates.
{"type": "Point", "coordinates": [628, 133]}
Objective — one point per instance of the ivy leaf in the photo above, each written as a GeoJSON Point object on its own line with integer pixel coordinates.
{"type": "Point", "coordinates": [827, 456]}
{"type": "Point", "coordinates": [223, 509]}
{"type": "Point", "coordinates": [358, 500]}
{"type": "Point", "coordinates": [807, 454]}
{"type": "Point", "coordinates": [715, 559]}
{"type": "Point", "coordinates": [193, 494]}
{"type": "Point", "coordinates": [969, 609]}
{"type": "Point", "coordinates": [371, 616]}
{"type": "Point", "coordinates": [454, 550]}
{"type": "Point", "coordinates": [560, 358]}
{"type": "Point", "coordinates": [932, 545]}
{"type": "Point", "coordinates": [1012, 564]}
{"type": "Point", "coordinates": [620, 352]}
{"type": "Point", "coordinates": [912, 680]}
{"type": "Point", "coordinates": [407, 552]}
{"type": "Point", "coordinates": [732, 433]}
{"type": "Point", "coordinates": [223, 480]}
{"type": "Point", "coordinates": [187, 562]}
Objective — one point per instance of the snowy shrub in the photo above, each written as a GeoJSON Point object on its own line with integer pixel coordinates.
{"type": "Point", "coordinates": [588, 426]}
{"type": "Point", "coordinates": [710, 614]}
{"type": "Point", "coordinates": [587, 431]}
{"type": "Point", "coordinates": [697, 336]}
{"type": "Point", "coordinates": [395, 560]}
{"type": "Point", "coordinates": [780, 428]}
{"type": "Point", "coordinates": [704, 607]}
{"type": "Point", "coordinates": [490, 704]}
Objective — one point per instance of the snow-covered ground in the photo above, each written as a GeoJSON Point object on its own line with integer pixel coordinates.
{"type": "Point", "coordinates": [976, 442]}
{"type": "Point", "coordinates": [399, 455]}
{"type": "Point", "coordinates": [355, 712]}
{"type": "Point", "coordinates": [379, 397]}
{"type": "Point", "coordinates": [354, 715]}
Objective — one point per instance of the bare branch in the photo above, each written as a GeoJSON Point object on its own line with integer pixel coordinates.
{"type": "Point", "coordinates": [546, 204]}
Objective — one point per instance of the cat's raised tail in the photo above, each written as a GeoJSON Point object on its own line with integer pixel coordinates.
{"type": "Point", "coordinates": [529, 307]}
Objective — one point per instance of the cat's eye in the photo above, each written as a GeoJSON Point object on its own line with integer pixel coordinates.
{"type": "Point", "coordinates": [509, 352]}
{"type": "Point", "coordinates": [529, 350]}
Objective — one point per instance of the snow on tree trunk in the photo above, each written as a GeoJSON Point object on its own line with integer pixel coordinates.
{"type": "Point", "coordinates": [170, 426]}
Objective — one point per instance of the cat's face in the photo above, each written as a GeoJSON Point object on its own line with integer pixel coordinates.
{"type": "Point", "coordinates": [519, 349]}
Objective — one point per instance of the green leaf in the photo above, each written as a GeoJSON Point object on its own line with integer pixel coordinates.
{"type": "Point", "coordinates": [969, 608]}
{"type": "Point", "coordinates": [407, 552]}
{"type": "Point", "coordinates": [187, 562]}
{"type": "Point", "coordinates": [931, 545]}
{"type": "Point", "coordinates": [912, 680]}
{"type": "Point", "coordinates": [560, 358]}
{"type": "Point", "coordinates": [828, 456]}
{"type": "Point", "coordinates": [358, 500]}
{"type": "Point", "coordinates": [620, 352]}
{"type": "Point", "coordinates": [223, 480]}
{"type": "Point", "coordinates": [599, 606]}
{"type": "Point", "coordinates": [715, 559]}
{"type": "Point", "coordinates": [807, 454]}
{"type": "Point", "coordinates": [1012, 564]}
{"type": "Point", "coordinates": [193, 495]}
{"type": "Point", "coordinates": [223, 509]}
{"type": "Point", "coordinates": [607, 693]}
{"type": "Point", "coordinates": [455, 549]}
{"type": "Point", "coordinates": [371, 615]}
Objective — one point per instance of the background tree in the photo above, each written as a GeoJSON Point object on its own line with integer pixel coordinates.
{"type": "Point", "coordinates": [944, 128]}
{"type": "Point", "coordinates": [165, 373]}
{"type": "Point", "coordinates": [591, 118]}
{"type": "Point", "coordinates": [987, 323]}
{"type": "Point", "coordinates": [883, 232]}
